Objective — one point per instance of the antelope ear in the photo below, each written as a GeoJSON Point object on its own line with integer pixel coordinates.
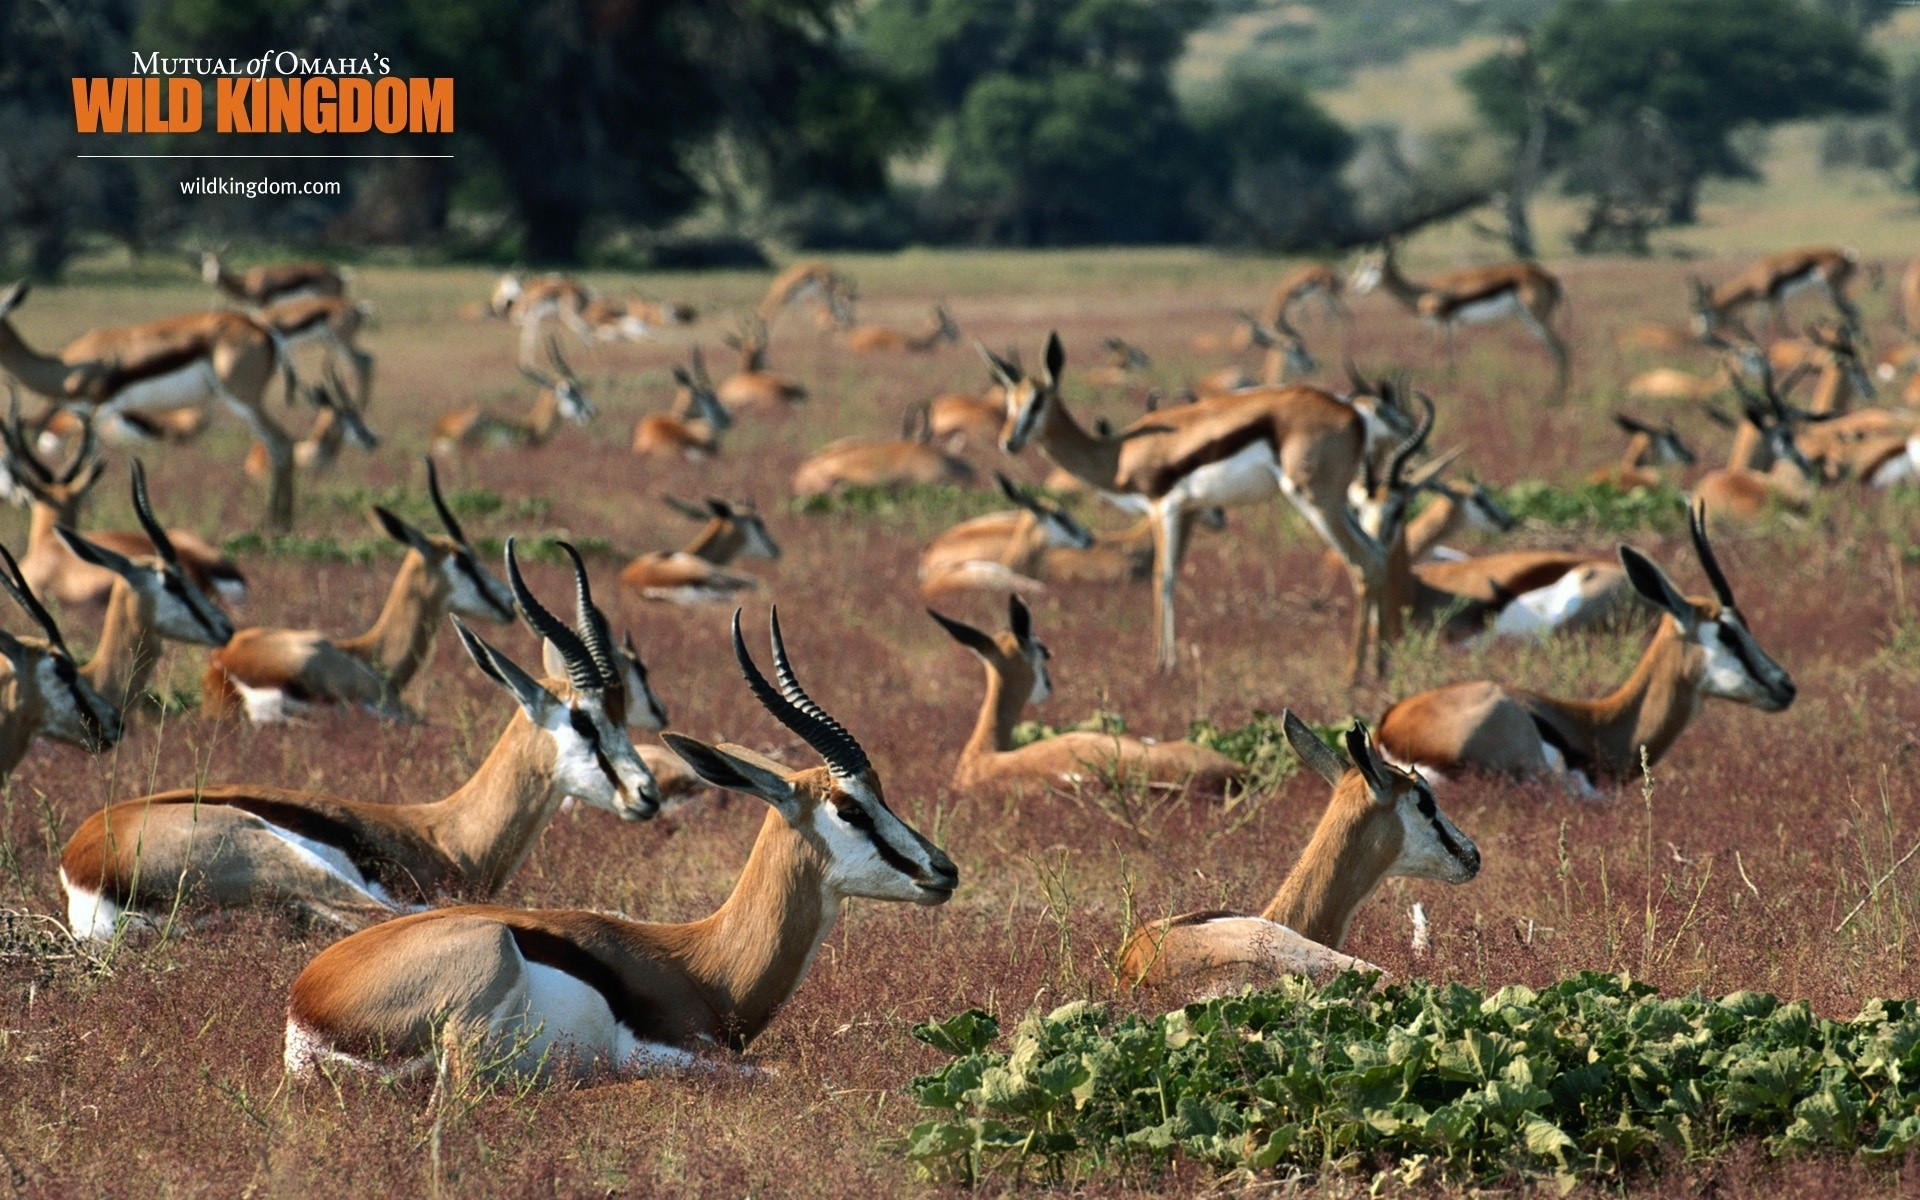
{"type": "Point", "coordinates": [967, 635]}
{"type": "Point", "coordinates": [1367, 761]}
{"type": "Point", "coordinates": [1056, 360]}
{"type": "Point", "coordinates": [1004, 373]}
{"type": "Point", "coordinates": [733, 772]}
{"type": "Point", "coordinates": [400, 531]}
{"type": "Point", "coordinates": [1316, 754]}
{"type": "Point", "coordinates": [1656, 589]}
{"type": "Point", "coordinates": [15, 652]}
{"type": "Point", "coordinates": [1019, 619]}
{"type": "Point", "coordinates": [533, 699]}
{"type": "Point", "coordinates": [96, 555]}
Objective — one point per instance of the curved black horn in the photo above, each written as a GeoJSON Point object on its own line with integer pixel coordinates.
{"type": "Point", "coordinates": [440, 504]}
{"type": "Point", "coordinates": [582, 672]}
{"type": "Point", "coordinates": [1411, 446]}
{"type": "Point", "coordinates": [589, 622]}
{"type": "Point", "coordinates": [15, 433]}
{"type": "Point", "coordinates": [16, 586]}
{"type": "Point", "coordinates": [143, 508]}
{"type": "Point", "coordinates": [84, 455]}
{"type": "Point", "coordinates": [792, 707]}
{"type": "Point", "coordinates": [1697, 525]}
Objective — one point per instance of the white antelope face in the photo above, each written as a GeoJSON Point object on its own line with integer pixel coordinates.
{"type": "Point", "coordinates": [181, 611]}
{"type": "Point", "coordinates": [473, 591]}
{"type": "Point", "coordinates": [759, 543]}
{"type": "Point", "coordinates": [209, 268]}
{"type": "Point", "coordinates": [1429, 844]}
{"type": "Point", "coordinates": [1016, 655]}
{"type": "Point", "coordinates": [1060, 529]}
{"type": "Point", "coordinates": [509, 289]}
{"type": "Point", "coordinates": [71, 709]}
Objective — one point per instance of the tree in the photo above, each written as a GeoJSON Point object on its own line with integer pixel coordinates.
{"type": "Point", "coordinates": [1271, 162]}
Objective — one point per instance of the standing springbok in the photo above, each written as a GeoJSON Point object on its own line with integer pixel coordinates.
{"type": "Point", "coordinates": [1770, 281]}
{"type": "Point", "coordinates": [694, 574]}
{"type": "Point", "coordinates": [272, 283]}
{"type": "Point", "coordinates": [1001, 551]}
{"type": "Point", "coordinates": [561, 398]}
{"type": "Point", "coordinates": [353, 862]}
{"type": "Point", "coordinates": [808, 280]}
{"type": "Point", "coordinates": [1240, 448]}
{"type": "Point", "coordinates": [586, 990]}
{"type": "Point", "coordinates": [164, 364]}
{"type": "Point", "coordinates": [1016, 664]}
{"type": "Point", "coordinates": [1302, 284]}
{"type": "Point", "coordinates": [271, 673]}
{"type": "Point", "coordinates": [1701, 649]}
{"type": "Point", "coordinates": [1381, 823]}
{"type": "Point", "coordinates": [332, 323]}
{"type": "Point", "coordinates": [532, 303]}
{"type": "Point", "coordinates": [46, 694]}
{"type": "Point", "coordinates": [1474, 295]}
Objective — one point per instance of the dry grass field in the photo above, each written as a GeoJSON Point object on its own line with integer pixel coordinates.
{"type": "Point", "coordinates": [156, 1069]}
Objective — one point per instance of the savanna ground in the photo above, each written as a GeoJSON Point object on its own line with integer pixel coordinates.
{"type": "Point", "coordinates": [1763, 856]}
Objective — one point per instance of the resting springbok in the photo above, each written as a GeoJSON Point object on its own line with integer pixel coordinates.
{"type": "Point", "coordinates": [1239, 448]}
{"type": "Point", "coordinates": [1001, 551]}
{"type": "Point", "coordinates": [753, 388]}
{"type": "Point", "coordinates": [694, 574]}
{"type": "Point", "coordinates": [336, 420]}
{"type": "Point", "coordinates": [1286, 354]}
{"type": "Point", "coordinates": [1472, 296]}
{"type": "Point", "coordinates": [1381, 823]}
{"type": "Point", "coordinates": [1702, 648]}
{"type": "Point", "coordinates": [273, 283]}
{"type": "Point", "coordinates": [1302, 284]}
{"type": "Point", "coordinates": [1017, 676]}
{"type": "Point", "coordinates": [908, 460]}
{"type": "Point", "coordinates": [692, 430]}
{"type": "Point", "coordinates": [45, 694]}
{"type": "Point", "coordinates": [52, 569]}
{"type": "Point", "coordinates": [1766, 466]}
{"type": "Point", "coordinates": [1647, 447]}
{"type": "Point", "coordinates": [1770, 281]}
{"type": "Point", "coordinates": [585, 990]}
{"type": "Point", "coordinates": [166, 364]}
{"type": "Point", "coordinates": [354, 862]}
{"type": "Point", "coordinates": [561, 398]}
{"type": "Point", "coordinates": [272, 673]}
{"type": "Point", "coordinates": [331, 323]}
{"type": "Point", "coordinates": [883, 339]}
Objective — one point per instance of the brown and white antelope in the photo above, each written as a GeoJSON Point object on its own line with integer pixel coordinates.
{"type": "Point", "coordinates": [1770, 281]}
{"type": "Point", "coordinates": [1702, 648]}
{"type": "Point", "coordinates": [272, 283]}
{"type": "Point", "coordinates": [1648, 447]}
{"type": "Point", "coordinates": [908, 460]}
{"type": "Point", "coordinates": [573, 988]}
{"type": "Point", "coordinates": [1301, 284]}
{"type": "Point", "coordinates": [353, 862]}
{"type": "Point", "coordinates": [1380, 823]}
{"type": "Point", "coordinates": [753, 388]}
{"type": "Point", "coordinates": [166, 364]}
{"type": "Point", "coordinates": [1017, 675]}
{"type": "Point", "coordinates": [884, 339]}
{"type": "Point", "coordinates": [959, 419]}
{"type": "Point", "coordinates": [332, 323]}
{"type": "Point", "coordinates": [995, 553]}
{"type": "Point", "coordinates": [532, 303]}
{"type": "Point", "coordinates": [808, 280]}
{"type": "Point", "coordinates": [692, 430]}
{"type": "Point", "coordinates": [561, 398]}
{"type": "Point", "coordinates": [696, 574]}
{"type": "Point", "coordinates": [1125, 362]}
{"type": "Point", "coordinates": [272, 673]}
{"type": "Point", "coordinates": [1240, 448]}
{"type": "Point", "coordinates": [1766, 467]}
{"type": "Point", "coordinates": [1474, 295]}
{"type": "Point", "coordinates": [1285, 354]}
{"type": "Point", "coordinates": [45, 694]}
{"type": "Point", "coordinates": [336, 421]}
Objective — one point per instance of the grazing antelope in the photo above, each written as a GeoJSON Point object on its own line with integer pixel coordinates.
{"type": "Point", "coordinates": [1647, 447]}
{"type": "Point", "coordinates": [1770, 281]}
{"type": "Point", "coordinates": [561, 398]}
{"type": "Point", "coordinates": [532, 303]}
{"type": "Point", "coordinates": [331, 323]}
{"type": "Point", "coordinates": [273, 283]}
{"type": "Point", "coordinates": [996, 554]}
{"type": "Point", "coordinates": [1017, 676]}
{"type": "Point", "coordinates": [1301, 284]}
{"type": "Point", "coordinates": [273, 673]}
{"type": "Point", "coordinates": [1240, 448]}
{"type": "Point", "coordinates": [753, 388]}
{"type": "Point", "coordinates": [694, 574]}
{"type": "Point", "coordinates": [1380, 823]}
{"type": "Point", "coordinates": [352, 862]}
{"type": "Point", "coordinates": [1522, 290]}
{"type": "Point", "coordinates": [693, 429]}
{"type": "Point", "coordinates": [165, 364]}
{"type": "Point", "coordinates": [883, 339]}
{"type": "Point", "coordinates": [336, 421]}
{"type": "Point", "coordinates": [53, 569]}
{"type": "Point", "coordinates": [906, 461]}
{"type": "Point", "coordinates": [45, 694]}
{"type": "Point", "coordinates": [588, 990]}
{"type": "Point", "coordinates": [811, 280]}
{"type": "Point", "coordinates": [1701, 649]}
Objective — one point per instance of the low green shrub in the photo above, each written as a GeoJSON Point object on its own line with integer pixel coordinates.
{"type": "Point", "coordinates": [1597, 506]}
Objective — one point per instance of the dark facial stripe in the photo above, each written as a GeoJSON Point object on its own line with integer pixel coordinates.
{"type": "Point", "coordinates": [857, 818]}
{"type": "Point", "coordinates": [1431, 812]}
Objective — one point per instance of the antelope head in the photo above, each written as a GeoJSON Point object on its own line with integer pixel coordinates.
{"type": "Point", "coordinates": [1370, 269]}
{"type": "Point", "coordinates": [1386, 494]}
{"type": "Point", "coordinates": [61, 490]}
{"type": "Point", "coordinates": [1392, 813]}
{"type": "Point", "coordinates": [696, 394]}
{"type": "Point", "coordinates": [1664, 447]}
{"type": "Point", "coordinates": [840, 810]}
{"type": "Point", "coordinates": [509, 289]}
{"type": "Point", "coordinates": [631, 701]}
{"type": "Point", "coordinates": [1060, 528]}
{"type": "Point", "coordinates": [72, 710]}
{"type": "Point", "coordinates": [470, 589]}
{"type": "Point", "coordinates": [332, 396]}
{"type": "Point", "coordinates": [181, 611]}
{"type": "Point", "coordinates": [1028, 398]}
{"type": "Point", "coordinates": [1283, 337]}
{"type": "Point", "coordinates": [1016, 656]}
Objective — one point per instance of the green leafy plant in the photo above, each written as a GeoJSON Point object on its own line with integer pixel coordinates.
{"type": "Point", "coordinates": [1100, 721]}
{"type": "Point", "coordinates": [1592, 1076]}
{"type": "Point", "coordinates": [1597, 506]}
{"type": "Point", "coordinates": [1260, 746]}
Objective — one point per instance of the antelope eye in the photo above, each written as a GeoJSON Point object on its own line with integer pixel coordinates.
{"type": "Point", "coordinates": [853, 815]}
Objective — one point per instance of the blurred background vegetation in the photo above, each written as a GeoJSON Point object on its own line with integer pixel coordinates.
{"type": "Point", "coordinates": [710, 132]}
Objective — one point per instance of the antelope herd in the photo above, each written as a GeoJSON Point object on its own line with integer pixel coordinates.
{"type": "Point", "coordinates": [569, 990]}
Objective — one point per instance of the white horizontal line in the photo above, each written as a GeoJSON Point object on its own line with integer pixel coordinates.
{"type": "Point", "coordinates": [263, 156]}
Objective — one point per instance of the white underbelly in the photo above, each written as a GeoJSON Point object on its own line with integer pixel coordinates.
{"type": "Point", "coordinates": [267, 705]}
{"type": "Point", "coordinates": [1541, 611]}
{"type": "Point", "coordinates": [333, 861]}
{"type": "Point", "coordinates": [191, 384]}
{"type": "Point", "coordinates": [89, 914]}
{"type": "Point", "coordinates": [1248, 475]}
{"type": "Point", "coordinates": [1900, 469]}
{"type": "Point", "coordinates": [1493, 308]}
{"type": "Point", "coordinates": [561, 1019]}
{"type": "Point", "coordinates": [1576, 782]}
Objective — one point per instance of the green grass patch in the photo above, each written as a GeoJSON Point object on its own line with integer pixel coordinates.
{"type": "Point", "coordinates": [1593, 1076]}
{"type": "Point", "coordinates": [1598, 506]}
{"type": "Point", "coordinates": [942, 500]}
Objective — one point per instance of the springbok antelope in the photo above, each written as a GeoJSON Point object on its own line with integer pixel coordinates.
{"type": "Point", "coordinates": [1124, 363]}
{"type": "Point", "coordinates": [1648, 447]}
{"type": "Point", "coordinates": [45, 694]}
{"type": "Point", "coordinates": [1672, 383]}
{"type": "Point", "coordinates": [693, 429]}
{"type": "Point", "coordinates": [165, 364]}
{"type": "Point", "coordinates": [1523, 290]}
{"type": "Point", "coordinates": [1301, 284]}
{"type": "Point", "coordinates": [1770, 281]}
{"type": "Point", "coordinates": [904, 461]}
{"type": "Point", "coordinates": [994, 553]}
{"type": "Point", "coordinates": [1017, 676]}
{"type": "Point", "coordinates": [753, 388]}
{"type": "Point", "coordinates": [1285, 354]}
{"type": "Point", "coordinates": [694, 574]}
{"type": "Point", "coordinates": [353, 862]}
{"type": "Point", "coordinates": [810, 280]}
{"type": "Point", "coordinates": [1766, 466]}
{"type": "Point", "coordinates": [1701, 649]}
{"type": "Point", "coordinates": [1649, 335]}
{"type": "Point", "coordinates": [272, 673]}
{"type": "Point", "coordinates": [273, 283]}
{"type": "Point", "coordinates": [532, 303]}
{"type": "Point", "coordinates": [561, 398]}
{"type": "Point", "coordinates": [1380, 823]}
{"type": "Point", "coordinates": [333, 324]}
{"type": "Point", "coordinates": [1880, 447]}
{"type": "Point", "coordinates": [590, 990]}
{"type": "Point", "coordinates": [1454, 509]}
{"type": "Point", "coordinates": [957, 419]}
{"type": "Point", "coordinates": [1840, 376]}
{"type": "Point", "coordinates": [1239, 448]}
{"type": "Point", "coordinates": [336, 420]}
{"type": "Point", "coordinates": [1122, 557]}
{"type": "Point", "coordinates": [884, 339]}
{"type": "Point", "coordinates": [52, 569]}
